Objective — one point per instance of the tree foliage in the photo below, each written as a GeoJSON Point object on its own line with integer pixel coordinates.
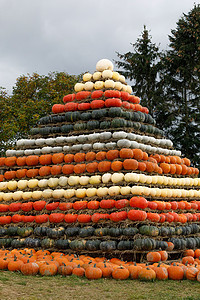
{"type": "Point", "coordinates": [142, 67]}
{"type": "Point", "coordinates": [181, 80]}
{"type": "Point", "coordinates": [32, 98]}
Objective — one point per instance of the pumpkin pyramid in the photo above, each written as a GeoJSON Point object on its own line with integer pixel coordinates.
{"type": "Point", "coordinates": [97, 176]}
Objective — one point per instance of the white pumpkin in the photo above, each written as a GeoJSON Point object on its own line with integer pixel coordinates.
{"type": "Point", "coordinates": [17, 196]}
{"type": "Point", "coordinates": [53, 182]}
{"type": "Point", "coordinates": [12, 185]}
{"type": "Point", "coordinates": [114, 191]}
{"type": "Point", "coordinates": [8, 196]}
{"type": "Point", "coordinates": [32, 183]}
{"type": "Point", "coordinates": [109, 84]}
{"type": "Point", "coordinates": [58, 193]}
{"type": "Point", "coordinates": [80, 193]}
{"type": "Point", "coordinates": [47, 193]}
{"type": "Point", "coordinates": [27, 195]}
{"type": "Point", "coordinates": [125, 190]}
{"type": "Point", "coordinates": [102, 191]}
{"type": "Point", "coordinates": [79, 87]}
{"type": "Point", "coordinates": [3, 186]}
{"type": "Point", "coordinates": [84, 180]}
{"type": "Point", "coordinates": [73, 180]}
{"type": "Point", "coordinates": [62, 181]}
{"type": "Point", "coordinates": [104, 64]}
{"type": "Point", "coordinates": [37, 195]}
{"type": "Point", "coordinates": [106, 177]}
{"type": "Point", "coordinates": [118, 86]}
{"type": "Point", "coordinates": [90, 192]}
{"type": "Point", "coordinates": [107, 74]}
{"type": "Point", "coordinates": [69, 193]}
{"type": "Point", "coordinates": [95, 179]}
{"type": "Point", "coordinates": [98, 85]}
{"type": "Point", "coordinates": [43, 183]}
{"type": "Point", "coordinates": [87, 76]}
{"type": "Point", "coordinates": [115, 76]}
{"type": "Point", "coordinates": [122, 78]}
{"type": "Point", "coordinates": [96, 75]}
{"type": "Point", "coordinates": [117, 177]}
{"type": "Point", "coordinates": [88, 86]}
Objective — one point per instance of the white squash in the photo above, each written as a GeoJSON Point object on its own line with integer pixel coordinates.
{"type": "Point", "coordinates": [125, 190]}
{"type": "Point", "coordinates": [32, 183]}
{"type": "Point", "coordinates": [129, 89]}
{"type": "Point", "coordinates": [88, 86]}
{"type": "Point", "coordinates": [37, 195]}
{"type": "Point", "coordinates": [43, 183]}
{"type": "Point", "coordinates": [80, 193]}
{"type": "Point", "coordinates": [106, 177]}
{"type": "Point", "coordinates": [115, 76]}
{"type": "Point", "coordinates": [117, 177]}
{"type": "Point", "coordinates": [58, 193]}
{"type": "Point", "coordinates": [50, 141]}
{"type": "Point", "coordinates": [90, 192]}
{"type": "Point", "coordinates": [104, 64]}
{"type": "Point", "coordinates": [73, 180]}
{"type": "Point", "coordinates": [98, 85]}
{"type": "Point", "coordinates": [53, 182]}
{"type": "Point", "coordinates": [12, 185]}
{"type": "Point", "coordinates": [87, 76]}
{"type": "Point", "coordinates": [137, 190]}
{"type": "Point", "coordinates": [3, 186]}
{"type": "Point", "coordinates": [69, 193]}
{"type": "Point", "coordinates": [95, 179]}
{"type": "Point", "coordinates": [8, 196]}
{"type": "Point", "coordinates": [62, 181]}
{"type": "Point", "coordinates": [47, 193]}
{"type": "Point", "coordinates": [79, 87]}
{"type": "Point", "coordinates": [114, 191]}
{"type": "Point", "coordinates": [1, 196]}
{"type": "Point", "coordinates": [109, 84]}
{"type": "Point", "coordinates": [102, 191]}
{"type": "Point", "coordinates": [118, 86]}
{"type": "Point", "coordinates": [96, 75]}
{"type": "Point", "coordinates": [27, 195]}
{"type": "Point", "coordinates": [107, 74]}
{"type": "Point", "coordinates": [142, 178]}
{"type": "Point", "coordinates": [84, 180]}
{"type": "Point", "coordinates": [122, 78]}
{"type": "Point", "coordinates": [17, 196]}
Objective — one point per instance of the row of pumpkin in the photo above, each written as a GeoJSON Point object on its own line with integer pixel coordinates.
{"type": "Point", "coordinates": [119, 216]}
{"type": "Point", "coordinates": [91, 231]}
{"type": "Point", "coordinates": [82, 193]}
{"type": "Point", "coordinates": [102, 245]}
{"type": "Point", "coordinates": [108, 204]}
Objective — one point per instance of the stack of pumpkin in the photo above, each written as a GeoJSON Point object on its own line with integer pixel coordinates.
{"type": "Point", "coordinates": [97, 176]}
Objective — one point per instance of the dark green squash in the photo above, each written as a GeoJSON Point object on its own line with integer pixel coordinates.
{"type": "Point", "coordinates": [72, 231]}
{"type": "Point", "coordinates": [92, 245]}
{"type": "Point", "coordinates": [105, 125]}
{"type": "Point", "coordinates": [47, 243]}
{"type": "Point", "coordinates": [125, 245]}
{"type": "Point", "coordinates": [118, 123]}
{"type": "Point", "coordinates": [24, 231]}
{"type": "Point", "coordinates": [12, 230]}
{"type": "Point", "coordinates": [101, 231]}
{"type": "Point", "coordinates": [77, 245]}
{"type": "Point", "coordinates": [93, 124]}
{"type": "Point", "coordinates": [130, 231]}
{"type": "Point", "coordinates": [99, 114]}
{"type": "Point", "coordinates": [67, 128]}
{"type": "Point", "coordinates": [114, 231]}
{"type": "Point", "coordinates": [62, 244]}
{"type": "Point", "coordinates": [114, 112]}
{"type": "Point", "coordinates": [86, 116]}
{"type": "Point", "coordinates": [80, 126]}
{"type": "Point", "coordinates": [108, 246]}
{"type": "Point", "coordinates": [86, 231]}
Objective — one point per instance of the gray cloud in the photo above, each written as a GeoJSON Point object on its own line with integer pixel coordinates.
{"type": "Point", "coordinates": [72, 35]}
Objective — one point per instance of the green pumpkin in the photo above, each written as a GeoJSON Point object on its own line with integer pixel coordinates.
{"type": "Point", "coordinates": [93, 124]}
{"type": "Point", "coordinates": [47, 243]}
{"type": "Point", "coordinates": [45, 130]}
{"type": "Point", "coordinates": [3, 231]}
{"type": "Point", "coordinates": [12, 230]}
{"type": "Point", "coordinates": [101, 231]}
{"type": "Point", "coordinates": [24, 231]}
{"type": "Point", "coordinates": [130, 231]}
{"type": "Point", "coordinates": [77, 245]}
{"type": "Point", "coordinates": [190, 243]}
{"type": "Point", "coordinates": [55, 233]}
{"type": "Point", "coordinates": [99, 114]}
{"type": "Point", "coordinates": [161, 245]}
{"type": "Point", "coordinates": [4, 243]}
{"type": "Point", "coordinates": [114, 112]}
{"type": "Point", "coordinates": [79, 126]}
{"type": "Point", "coordinates": [75, 116]}
{"type": "Point", "coordinates": [125, 245]}
{"type": "Point", "coordinates": [55, 129]}
{"type": "Point", "coordinates": [114, 231]}
{"type": "Point", "coordinates": [108, 246]}
{"type": "Point", "coordinates": [67, 128]}
{"type": "Point", "coordinates": [86, 116]}
{"type": "Point", "coordinates": [34, 131]}
{"type": "Point", "coordinates": [86, 231]}
{"type": "Point", "coordinates": [164, 231]}
{"type": "Point", "coordinates": [18, 243]}
{"type": "Point", "coordinates": [135, 116]}
{"type": "Point", "coordinates": [32, 243]}
{"type": "Point", "coordinates": [116, 123]}
{"type": "Point", "coordinates": [105, 125]}
{"type": "Point", "coordinates": [92, 245]}
{"type": "Point", "coordinates": [62, 244]}
{"type": "Point", "coordinates": [40, 231]}
{"type": "Point", "coordinates": [72, 231]}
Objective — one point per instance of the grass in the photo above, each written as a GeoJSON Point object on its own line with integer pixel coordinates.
{"type": "Point", "coordinates": [19, 287]}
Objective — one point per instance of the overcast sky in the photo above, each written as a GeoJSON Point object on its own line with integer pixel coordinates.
{"type": "Point", "coordinates": [72, 35]}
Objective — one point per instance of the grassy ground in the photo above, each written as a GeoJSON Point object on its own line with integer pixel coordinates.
{"type": "Point", "coordinates": [19, 287]}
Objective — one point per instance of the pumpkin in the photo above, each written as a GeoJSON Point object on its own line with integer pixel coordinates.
{"type": "Point", "coordinates": [147, 274]}
{"type": "Point", "coordinates": [120, 273]}
{"type": "Point", "coordinates": [175, 272]}
{"type": "Point", "coordinates": [93, 272]}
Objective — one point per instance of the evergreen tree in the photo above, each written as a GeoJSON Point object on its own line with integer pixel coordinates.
{"type": "Point", "coordinates": [142, 67]}
{"type": "Point", "coordinates": [181, 79]}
